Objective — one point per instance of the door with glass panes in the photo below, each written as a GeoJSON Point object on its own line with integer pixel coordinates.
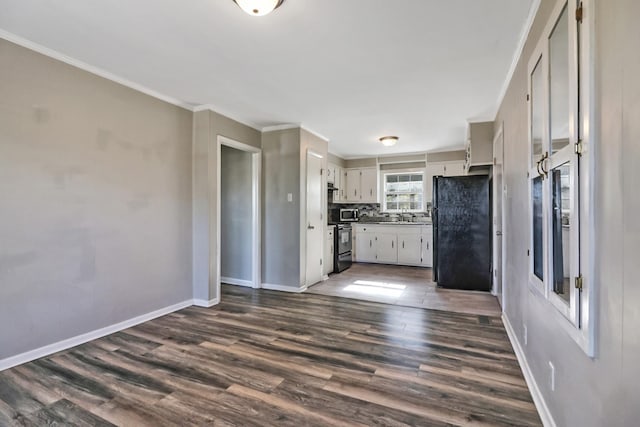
{"type": "Point", "coordinates": [554, 164]}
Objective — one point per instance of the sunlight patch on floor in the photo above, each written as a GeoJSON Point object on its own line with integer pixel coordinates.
{"type": "Point", "coordinates": [369, 287]}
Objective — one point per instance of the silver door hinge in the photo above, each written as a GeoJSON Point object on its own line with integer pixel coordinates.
{"type": "Point", "coordinates": [579, 282]}
{"type": "Point", "coordinates": [578, 148]}
{"type": "Point", "coordinates": [321, 172]}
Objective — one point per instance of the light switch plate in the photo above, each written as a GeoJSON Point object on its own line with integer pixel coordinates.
{"type": "Point", "coordinates": [289, 197]}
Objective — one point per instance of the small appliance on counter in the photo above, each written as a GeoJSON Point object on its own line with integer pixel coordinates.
{"type": "Point", "coordinates": [348, 215]}
{"type": "Point", "coordinates": [342, 248]}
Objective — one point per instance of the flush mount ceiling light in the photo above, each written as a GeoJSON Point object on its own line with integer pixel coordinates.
{"type": "Point", "coordinates": [389, 141]}
{"type": "Point", "coordinates": [258, 7]}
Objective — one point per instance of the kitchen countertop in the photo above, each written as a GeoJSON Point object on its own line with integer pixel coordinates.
{"type": "Point", "coordinates": [393, 223]}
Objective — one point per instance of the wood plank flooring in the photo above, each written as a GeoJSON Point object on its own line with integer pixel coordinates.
{"type": "Point", "coordinates": [411, 287]}
{"type": "Point", "coordinates": [264, 358]}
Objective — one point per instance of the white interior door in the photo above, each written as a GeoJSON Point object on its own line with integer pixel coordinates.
{"type": "Point", "coordinates": [315, 229]}
{"type": "Point", "coordinates": [498, 165]}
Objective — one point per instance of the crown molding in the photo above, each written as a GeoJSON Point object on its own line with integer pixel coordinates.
{"type": "Point", "coordinates": [223, 112]}
{"type": "Point", "coordinates": [533, 11]}
{"type": "Point", "coordinates": [51, 53]}
{"type": "Point", "coordinates": [281, 127]}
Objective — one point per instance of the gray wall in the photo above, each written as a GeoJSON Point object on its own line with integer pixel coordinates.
{"type": "Point", "coordinates": [332, 158]}
{"type": "Point", "coordinates": [236, 214]}
{"type": "Point", "coordinates": [361, 163]}
{"type": "Point", "coordinates": [604, 390]}
{"type": "Point", "coordinates": [280, 218]}
{"type": "Point", "coordinates": [207, 125]}
{"type": "Point", "coordinates": [446, 156]}
{"type": "Point", "coordinates": [95, 190]}
{"type": "Point", "coordinates": [309, 141]}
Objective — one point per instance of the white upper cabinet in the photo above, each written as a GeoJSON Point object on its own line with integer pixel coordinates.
{"type": "Point", "coordinates": [454, 169]}
{"type": "Point", "coordinates": [369, 185]}
{"type": "Point", "coordinates": [361, 185]}
{"type": "Point", "coordinates": [479, 153]}
{"type": "Point", "coordinates": [352, 186]}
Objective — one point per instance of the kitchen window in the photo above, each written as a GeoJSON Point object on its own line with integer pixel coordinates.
{"type": "Point", "coordinates": [403, 192]}
{"type": "Point", "coordinates": [559, 165]}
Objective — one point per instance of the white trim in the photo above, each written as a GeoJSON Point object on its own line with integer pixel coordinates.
{"type": "Point", "coordinates": [47, 350]}
{"type": "Point", "coordinates": [256, 242]}
{"type": "Point", "coordinates": [20, 41]}
{"type": "Point", "coordinates": [206, 304]}
{"type": "Point", "coordinates": [236, 282]}
{"type": "Point", "coordinates": [524, 35]}
{"type": "Point", "coordinates": [314, 133]}
{"type": "Point", "coordinates": [223, 112]}
{"type": "Point", "coordinates": [283, 288]}
{"type": "Point", "coordinates": [281, 127]}
{"type": "Point", "coordinates": [538, 399]}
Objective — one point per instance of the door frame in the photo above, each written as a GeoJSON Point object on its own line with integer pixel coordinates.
{"type": "Point", "coordinates": [502, 298]}
{"type": "Point", "coordinates": [256, 170]}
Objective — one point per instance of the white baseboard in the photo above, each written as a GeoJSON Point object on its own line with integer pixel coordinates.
{"type": "Point", "coordinates": [237, 282]}
{"type": "Point", "coordinates": [47, 350]}
{"type": "Point", "coordinates": [538, 399]}
{"type": "Point", "coordinates": [283, 288]}
{"type": "Point", "coordinates": [206, 304]}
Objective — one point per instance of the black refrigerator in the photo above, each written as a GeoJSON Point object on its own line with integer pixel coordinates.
{"type": "Point", "coordinates": [462, 232]}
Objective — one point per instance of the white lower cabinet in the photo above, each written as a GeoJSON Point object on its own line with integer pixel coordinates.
{"type": "Point", "coordinates": [387, 248]}
{"type": "Point", "coordinates": [328, 252]}
{"type": "Point", "coordinates": [365, 247]}
{"type": "Point", "coordinates": [394, 244]}
{"type": "Point", "coordinates": [409, 249]}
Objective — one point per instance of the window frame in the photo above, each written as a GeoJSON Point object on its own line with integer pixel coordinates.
{"type": "Point", "coordinates": [408, 171]}
{"type": "Point", "coordinates": [578, 317]}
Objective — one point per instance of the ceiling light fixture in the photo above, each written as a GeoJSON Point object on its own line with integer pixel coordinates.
{"type": "Point", "coordinates": [389, 141]}
{"type": "Point", "coordinates": [258, 7]}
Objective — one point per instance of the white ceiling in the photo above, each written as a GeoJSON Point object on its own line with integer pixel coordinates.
{"type": "Point", "coordinates": [351, 70]}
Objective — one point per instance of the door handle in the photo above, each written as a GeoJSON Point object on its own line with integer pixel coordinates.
{"type": "Point", "coordinates": [371, 192]}
{"type": "Point", "coordinates": [311, 227]}
{"type": "Point", "coordinates": [498, 233]}
{"type": "Point", "coordinates": [370, 243]}
{"type": "Point", "coordinates": [403, 244]}
{"type": "Point", "coordinates": [392, 244]}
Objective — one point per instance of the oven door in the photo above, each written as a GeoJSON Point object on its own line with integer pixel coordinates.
{"type": "Point", "coordinates": [343, 242]}
{"type": "Point", "coordinates": [342, 262]}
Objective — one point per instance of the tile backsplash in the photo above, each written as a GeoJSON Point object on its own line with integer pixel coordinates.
{"type": "Point", "coordinates": [366, 210]}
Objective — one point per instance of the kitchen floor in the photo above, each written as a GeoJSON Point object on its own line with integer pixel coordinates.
{"type": "Point", "coordinates": [407, 286]}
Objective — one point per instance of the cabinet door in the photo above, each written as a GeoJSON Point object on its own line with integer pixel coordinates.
{"type": "Point", "coordinates": [387, 248]}
{"type": "Point", "coordinates": [409, 249]}
{"type": "Point", "coordinates": [328, 262]}
{"type": "Point", "coordinates": [454, 169]}
{"type": "Point", "coordinates": [427, 250]}
{"type": "Point", "coordinates": [369, 185]}
{"type": "Point", "coordinates": [353, 186]}
{"type": "Point", "coordinates": [337, 182]}
{"type": "Point", "coordinates": [365, 247]}
{"type": "Point", "coordinates": [331, 173]}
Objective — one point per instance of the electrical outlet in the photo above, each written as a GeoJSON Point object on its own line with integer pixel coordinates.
{"type": "Point", "coordinates": [525, 334]}
{"type": "Point", "coordinates": [289, 197]}
{"type": "Point", "coordinates": [552, 376]}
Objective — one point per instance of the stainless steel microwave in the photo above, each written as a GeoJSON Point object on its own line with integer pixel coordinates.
{"type": "Point", "coordinates": [348, 215]}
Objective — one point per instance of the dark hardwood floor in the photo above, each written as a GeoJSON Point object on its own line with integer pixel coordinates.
{"type": "Point", "coordinates": [268, 358]}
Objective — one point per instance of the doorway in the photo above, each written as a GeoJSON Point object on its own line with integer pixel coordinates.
{"type": "Point", "coordinates": [238, 214]}
{"type": "Point", "coordinates": [498, 224]}
{"type": "Point", "coordinates": [314, 219]}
